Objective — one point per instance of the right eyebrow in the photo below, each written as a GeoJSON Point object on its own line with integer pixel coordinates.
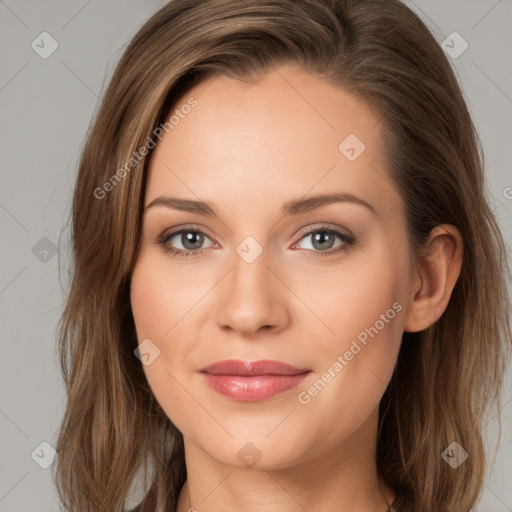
{"type": "Point", "coordinates": [186, 205]}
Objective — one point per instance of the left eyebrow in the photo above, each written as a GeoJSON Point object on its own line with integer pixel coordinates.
{"type": "Point", "coordinates": [299, 206]}
{"type": "Point", "coordinates": [293, 207]}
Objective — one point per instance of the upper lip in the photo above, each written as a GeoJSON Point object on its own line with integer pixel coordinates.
{"type": "Point", "coordinates": [248, 368]}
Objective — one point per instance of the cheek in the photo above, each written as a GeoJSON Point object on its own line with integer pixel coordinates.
{"type": "Point", "coordinates": [368, 328]}
{"type": "Point", "coordinates": [354, 367]}
{"type": "Point", "coordinates": [150, 298]}
{"type": "Point", "coordinates": [157, 307]}
{"type": "Point", "coordinates": [160, 298]}
{"type": "Point", "coordinates": [352, 296]}
{"type": "Point", "coordinates": [364, 311]}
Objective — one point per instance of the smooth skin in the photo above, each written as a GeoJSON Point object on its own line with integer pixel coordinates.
{"type": "Point", "coordinates": [248, 149]}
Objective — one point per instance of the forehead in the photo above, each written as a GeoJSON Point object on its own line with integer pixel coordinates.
{"type": "Point", "coordinates": [286, 135]}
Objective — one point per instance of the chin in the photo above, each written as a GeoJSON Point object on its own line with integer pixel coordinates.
{"type": "Point", "coordinates": [257, 449]}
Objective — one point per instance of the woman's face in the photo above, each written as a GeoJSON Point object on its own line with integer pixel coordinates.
{"type": "Point", "coordinates": [270, 274]}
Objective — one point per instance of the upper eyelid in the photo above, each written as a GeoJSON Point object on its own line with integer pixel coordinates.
{"type": "Point", "coordinates": [173, 232]}
{"type": "Point", "coordinates": [324, 227]}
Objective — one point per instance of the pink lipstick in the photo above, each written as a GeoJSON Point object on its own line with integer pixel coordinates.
{"type": "Point", "coordinates": [252, 381]}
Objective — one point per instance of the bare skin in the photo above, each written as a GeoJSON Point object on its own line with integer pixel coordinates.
{"type": "Point", "coordinates": [249, 149]}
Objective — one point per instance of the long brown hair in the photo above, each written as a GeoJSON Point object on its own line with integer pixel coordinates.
{"type": "Point", "coordinates": [446, 376]}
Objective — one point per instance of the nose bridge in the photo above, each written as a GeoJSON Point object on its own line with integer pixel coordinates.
{"type": "Point", "coordinates": [251, 296]}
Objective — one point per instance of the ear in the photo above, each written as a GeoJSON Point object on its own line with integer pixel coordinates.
{"type": "Point", "coordinates": [438, 270]}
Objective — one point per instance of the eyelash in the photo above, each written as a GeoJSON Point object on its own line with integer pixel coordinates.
{"type": "Point", "coordinates": [348, 241]}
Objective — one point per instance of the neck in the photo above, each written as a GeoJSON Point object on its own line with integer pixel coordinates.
{"type": "Point", "coordinates": [343, 479]}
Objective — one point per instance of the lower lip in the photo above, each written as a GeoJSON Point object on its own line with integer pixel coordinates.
{"type": "Point", "coordinates": [254, 388]}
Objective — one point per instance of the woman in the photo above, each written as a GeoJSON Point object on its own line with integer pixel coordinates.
{"type": "Point", "coordinates": [289, 288]}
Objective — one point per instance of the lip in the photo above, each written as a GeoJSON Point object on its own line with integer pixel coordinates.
{"type": "Point", "coordinates": [252, 381]}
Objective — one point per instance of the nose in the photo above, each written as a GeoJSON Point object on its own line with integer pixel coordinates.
{"type": "Point", "coordinates": [252, 299]}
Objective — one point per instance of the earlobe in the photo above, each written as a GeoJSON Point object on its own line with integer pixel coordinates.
{"type": "Point", "coordinates": [438, 271]}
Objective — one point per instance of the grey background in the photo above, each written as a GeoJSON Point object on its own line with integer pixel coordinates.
{"type": "Point", "coordinates": [46, 107]}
